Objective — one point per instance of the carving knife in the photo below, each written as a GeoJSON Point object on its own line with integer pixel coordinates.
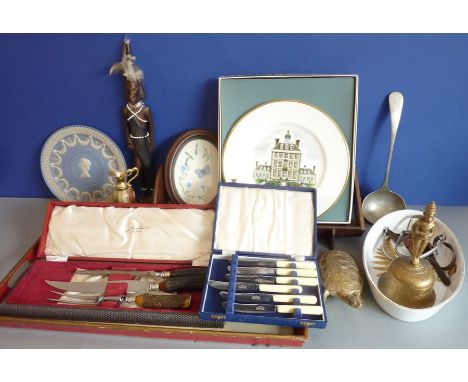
{"type": "Point", "coordinates": [275, 271]}
{"type": "Point", "coordinates": [251, 287]}
{"type": "Point", "coordinates": [275, 280]}
{"type": "Point", "coordinates": [276, 264]}
{"type": "Point", "coordinates": [145, 300]}
{"type": "Point", "coordinates": [170, 285]}
{"type": "Point", "coordinates": [268, 297]}
{"type": "Point", "coordinates": [165, 274]}
{"type": "Point", "coordinates": [267, 308]}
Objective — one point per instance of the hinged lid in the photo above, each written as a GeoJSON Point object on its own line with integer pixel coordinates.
{"type": "Point", "coordinates": [265, 220]}
{"type": "Point", "coordinates": [127, 231]}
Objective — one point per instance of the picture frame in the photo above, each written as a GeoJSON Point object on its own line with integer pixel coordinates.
{"type": "Point", "coordinates": [191, 172]}
{"type": "Point", "coordinates": [292, 130]}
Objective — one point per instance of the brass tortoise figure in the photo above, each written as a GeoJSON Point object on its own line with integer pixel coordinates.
{"type": "Point", "coordinates": [341, 277]}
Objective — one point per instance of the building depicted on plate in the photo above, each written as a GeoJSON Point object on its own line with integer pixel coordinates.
{"type": "Point", "coordinates": [285, 166]}
{"type": "Point", "coordinates": [262, 172]}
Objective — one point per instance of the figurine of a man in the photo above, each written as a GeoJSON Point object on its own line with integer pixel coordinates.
{"type": "Point", "coordinates": [138, 120]}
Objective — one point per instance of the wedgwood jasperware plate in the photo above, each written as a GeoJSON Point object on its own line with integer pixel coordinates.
{"type": "Point", "coordinates": [289, 143]}
{"type": "Point", "coordinates": [75, 164]}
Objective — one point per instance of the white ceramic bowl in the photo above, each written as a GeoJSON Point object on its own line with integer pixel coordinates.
{"type": "Point", "coordinates": [398, 221]}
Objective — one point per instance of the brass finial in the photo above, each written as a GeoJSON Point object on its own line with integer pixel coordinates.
{"type": "Point", "coordinates": [430, 211]}
{"type": "Point", "coordinates": [421, 231]}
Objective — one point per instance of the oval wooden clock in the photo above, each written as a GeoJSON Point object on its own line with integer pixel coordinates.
{"type": "Point", "coordinates": [191, 169]}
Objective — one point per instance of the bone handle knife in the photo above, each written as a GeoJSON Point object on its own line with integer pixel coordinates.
{"type": "Point", "coordinates": [303, 299]}
{"type": "Point", "coordinates": [305, 309]}
{"type": "Point", "coordinates": [293, 272]}
{"type": "Point", "coordinates": [273, 288]}
{"type": "Point", "coordinates": [300, 280]}
{"type": "Point", "coordinates": [276, 280]}
{"type": "Point", "coordinates": [243, 262]}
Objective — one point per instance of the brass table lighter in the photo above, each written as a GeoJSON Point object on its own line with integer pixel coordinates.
{"type": "Point", "coordinates": [123, 191]}
{"type": "Point", "coordinates": [409, 281]}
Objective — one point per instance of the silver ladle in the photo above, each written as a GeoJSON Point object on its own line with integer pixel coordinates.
{"type": "Point", "coordinates": [383, 201]}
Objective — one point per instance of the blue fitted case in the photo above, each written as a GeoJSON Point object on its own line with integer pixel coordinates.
{"type": "Point", "coordinates": [211, 307]}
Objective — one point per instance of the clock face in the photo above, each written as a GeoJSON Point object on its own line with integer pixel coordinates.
{"type": "Point", "coordinates": [195, 171]}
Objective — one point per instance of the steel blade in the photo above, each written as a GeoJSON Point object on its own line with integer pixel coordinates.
{"type": "Point", "coordinates": [106, 272]}
{"type": "Point", "coordinates": [83, 287]}
{"type": "Point", "coordinates": [254, 279]}
{"type": "Point", "coordinates": [99, 286]}
{"type": "Point", "coordinates": [257, 263]}
{"type": "Point", "coordinates": [293, 272]}
{"type": "Point", "coordinates": [254, 271]}
{"type": "Point", "coordinates": [268, 263]}
{"type": "Point", "coordinates": [75, 295]}
{"type": "Point", "coordinates": [249, 297]}
{"type": "Point", "coordinates": [240, 287]}
{"type": "Point", "coordinates": [251, 287]}
{"type": "Point", "coordinates": [72, 302]}
{"type": "Point", "coordinates": [254, 308]}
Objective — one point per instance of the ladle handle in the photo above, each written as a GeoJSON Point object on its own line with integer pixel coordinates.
{"type": "Point", "coordinates": [395, 101]}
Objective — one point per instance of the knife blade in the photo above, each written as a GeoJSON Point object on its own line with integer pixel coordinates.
{"type": "Point", "coordinates": [268, 297]}
{"type": "Point", "coordinates": [251, 287]}
{"type": "Point", "coordinates": [133, 286]}
{"type": "Point", "coordinates": [275, 280]}
{"type": "Point", "coordinates": [165, 274]}
{"type": "Point", "coordinates": [145, 300]}
{"type": "Point", "coordinates": [276, 264]}
{"type": "Point", "coordinates": [285, 309]}
{"type": "Point", "coordinates": [276, 271]}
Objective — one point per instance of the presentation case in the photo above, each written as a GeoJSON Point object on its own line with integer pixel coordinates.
{"type": "Point", "coordinates": [264, 226]}
{"type": "Point", "coordinates": [24, 304]}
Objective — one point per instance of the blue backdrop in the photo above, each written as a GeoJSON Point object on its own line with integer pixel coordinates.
{"type": "Point", "coordinates": [50, 81]}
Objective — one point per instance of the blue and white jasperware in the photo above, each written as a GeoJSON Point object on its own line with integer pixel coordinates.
{"type": "Point", "coordinates": [75, 164]}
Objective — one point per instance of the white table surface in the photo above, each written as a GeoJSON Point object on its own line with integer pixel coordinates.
{"type": "Point", "coordinates": [368, 327]}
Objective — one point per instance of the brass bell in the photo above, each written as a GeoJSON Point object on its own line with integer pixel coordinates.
{"type": "Point", "coordinates": [409, 281]}
{"type": "Point", "coordinates": [123, 190]}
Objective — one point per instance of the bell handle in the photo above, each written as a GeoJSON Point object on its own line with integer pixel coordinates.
{"type": "Point", "coordinates": [131, 171]}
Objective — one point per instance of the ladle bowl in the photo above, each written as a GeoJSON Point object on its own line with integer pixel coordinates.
{"type": "Point", "coordinates": [380, 203]}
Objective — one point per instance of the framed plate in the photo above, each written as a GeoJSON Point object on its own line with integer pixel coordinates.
{"type": "Point", "coordinates": [317, 110]}
{"type": "Point", "coordinates": [191, 169]}
{"type": "Point", "coordinates": [75, 164]}
{"type": "Point", "coordinates": [289, 143]}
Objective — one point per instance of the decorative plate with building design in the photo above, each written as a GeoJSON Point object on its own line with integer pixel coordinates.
{"type": "Point", "coordinates": [75, 164]}
{"type": "Point", "coordinates": [289, 143]}
{"type": "Point", "coordinates": [191, 169]}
